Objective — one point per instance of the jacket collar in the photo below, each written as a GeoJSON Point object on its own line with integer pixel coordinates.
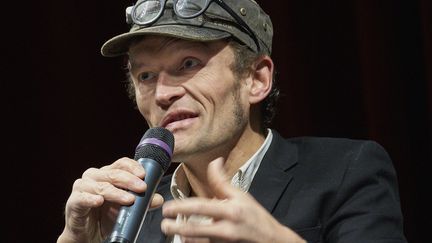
{"type": "Point", "coordinates": [275, 172]}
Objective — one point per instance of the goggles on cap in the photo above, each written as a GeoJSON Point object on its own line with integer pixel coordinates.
{"type": "Point", "coordinates": [146, 12]}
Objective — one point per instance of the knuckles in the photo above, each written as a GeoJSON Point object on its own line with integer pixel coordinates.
{"type": "Point", "coordinates": [123, 162]}
{"type": "Point", "coordinates": [236, 213]}
{"type": "Point", "coordinates": [112, 176]}
{"type": "Point", "coordinates": [89, 172]}
{"type": "Point", "coordinates": [103, 188]}
{"type": "Point", "coordinates": [77, 185]}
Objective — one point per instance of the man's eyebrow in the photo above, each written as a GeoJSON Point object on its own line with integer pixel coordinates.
{"type": "Point", "coordinates": [189, 45]}
{"type": "Point", "coordinates": [132, 64]}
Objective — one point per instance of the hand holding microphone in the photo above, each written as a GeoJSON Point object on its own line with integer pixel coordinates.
{"type": "Point", "coordinates": [154, 153]}
{"type": "Point", "coordinates": [94, 203]}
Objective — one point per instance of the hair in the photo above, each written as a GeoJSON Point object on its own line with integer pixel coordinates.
{"type": "Point", "coordinates": [244, 57]}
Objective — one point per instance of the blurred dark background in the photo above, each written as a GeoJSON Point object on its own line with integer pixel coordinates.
{"type": "Point", "coordinates": [358, 69]}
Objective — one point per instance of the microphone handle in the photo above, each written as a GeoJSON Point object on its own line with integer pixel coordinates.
{"type": "Point", "coordinates": [130, 218]}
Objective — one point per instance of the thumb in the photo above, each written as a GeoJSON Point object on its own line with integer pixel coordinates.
{"type": "Point", "coordinates": [156, 201]}
{"type": "Point", "coordinates": [219, 181]}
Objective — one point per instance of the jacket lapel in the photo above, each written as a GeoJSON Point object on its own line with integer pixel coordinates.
{"type": "Point", "coordinates": [274, 174]}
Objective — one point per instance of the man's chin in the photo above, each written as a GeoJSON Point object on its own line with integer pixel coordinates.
{"type": "Point", "coordinates": [184, 150]}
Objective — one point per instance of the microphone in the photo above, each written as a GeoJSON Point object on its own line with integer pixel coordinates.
{"type": "Point", "coordinates": [154, 153]}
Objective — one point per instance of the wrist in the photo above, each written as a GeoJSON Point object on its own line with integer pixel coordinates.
{"type": "Point", "coordinates": [66, 238]}
{"type": "Point", "coordinates": [70, 237]}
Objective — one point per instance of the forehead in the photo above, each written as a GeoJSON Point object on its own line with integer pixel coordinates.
{"type": "Point", "coordinates": [153, 44]}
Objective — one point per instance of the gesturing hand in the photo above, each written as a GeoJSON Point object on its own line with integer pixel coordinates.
{"type": "Point", "coordinates": [237, 216]}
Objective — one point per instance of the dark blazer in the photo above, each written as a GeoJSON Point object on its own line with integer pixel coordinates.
{"type": "Point", "coordinates": [325, 189]}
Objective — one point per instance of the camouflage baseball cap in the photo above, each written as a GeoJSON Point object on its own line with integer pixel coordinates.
{"type": "Point", "coordinates": [214, 24]}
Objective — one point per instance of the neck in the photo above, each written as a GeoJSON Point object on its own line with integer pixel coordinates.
{"type": "Point", "coordinates": [235, 156]}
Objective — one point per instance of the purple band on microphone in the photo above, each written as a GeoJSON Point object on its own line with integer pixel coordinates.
{"type": "Point", "coordinates": [157, 142]}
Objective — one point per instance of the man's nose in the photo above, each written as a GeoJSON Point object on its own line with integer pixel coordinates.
{"type": "Point", "coordinates": [168, 90]}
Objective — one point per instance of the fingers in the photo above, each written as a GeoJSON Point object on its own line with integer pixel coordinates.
{"type": "Point", "coordinates": [93, 189]}
{"type": "Point", "coordinates": [78, 208]}
{"type": "Point", "coordinates": [215, 209]}
{"type": "Point", "coordinates": [80, 200]}
{"type": "Point", "coordinates": [222, 230]}
{"type": "Point", "coordinates": [127, 164]}
{"type": "Point", "coordinates": [117, 177]}
{"type": "Point", "coordinates": [108, 184]}
{"type": "Point", "coordinates": [112, 183]}
{"type": "Point", "coordinates": [228, 210]}
{"type": "Point", "coordinates": [157, 201]}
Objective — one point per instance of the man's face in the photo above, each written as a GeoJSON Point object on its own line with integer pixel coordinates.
{"type": "Point", "coordinates": [190, 89]}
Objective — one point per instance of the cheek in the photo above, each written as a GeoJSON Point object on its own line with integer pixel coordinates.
{"type": "Point", "coordinates": [144, 106]}
{"type": "Point", "coordinates": [216, 85]}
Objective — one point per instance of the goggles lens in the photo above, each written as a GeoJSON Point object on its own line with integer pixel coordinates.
{"type": "Point", "coordinates": [147, 11]}
{"type": "Point", "coordinates": [190, 8]}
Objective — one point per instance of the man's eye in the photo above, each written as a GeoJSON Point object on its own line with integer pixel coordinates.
{"type": "Point", "coordinates": [146, 76]}
{"type": "Point", "coordinates": [190, 63]}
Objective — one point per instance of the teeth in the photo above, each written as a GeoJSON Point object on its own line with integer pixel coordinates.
{"type": "Point", "coordinates": [181, 117]}
{"type": "Point", "coordinates": [178, 117]}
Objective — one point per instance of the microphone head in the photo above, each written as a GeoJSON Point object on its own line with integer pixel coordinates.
{"type": "Point", "coordinates": [156, 144]}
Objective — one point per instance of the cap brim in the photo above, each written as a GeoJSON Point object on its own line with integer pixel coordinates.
{"type": "Point", "coordinates": [119, 45]}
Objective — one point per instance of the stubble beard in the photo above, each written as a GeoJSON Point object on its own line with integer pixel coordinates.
{"type": "Point", "coordinates": [213, 145]}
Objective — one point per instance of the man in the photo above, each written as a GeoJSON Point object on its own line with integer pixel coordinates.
{"type": "Point", "coordinates": [202, 69]}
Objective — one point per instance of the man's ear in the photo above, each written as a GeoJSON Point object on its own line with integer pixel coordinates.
{"type": "Point", "coordinates": [261, 79]}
